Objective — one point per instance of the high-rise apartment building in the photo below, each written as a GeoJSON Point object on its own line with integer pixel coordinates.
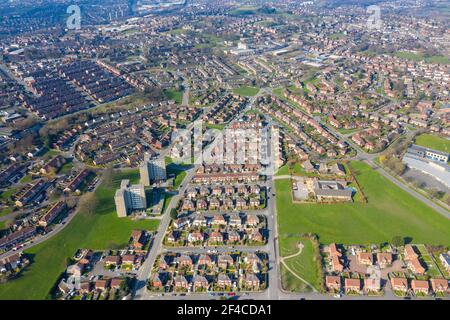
{"type": "Point", "coordinates": [152, 170]}
{"type": "Point", "coordinates": [129, 197]}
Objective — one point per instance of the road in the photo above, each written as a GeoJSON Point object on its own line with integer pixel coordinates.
{"type": "Point", "coordinates": [139, 290]}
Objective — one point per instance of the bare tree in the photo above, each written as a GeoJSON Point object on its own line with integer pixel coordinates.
{"type": "Point", "coordinates": [88, 203]}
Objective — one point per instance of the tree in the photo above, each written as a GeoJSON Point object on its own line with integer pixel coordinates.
{"type": "Point", "coordinates": [88, 203]}
{"type": "Point", "coordinates": [173, 214]}
{"type": "Point", "coordinates": [108, 176]}
{"type": "Point", "coordinates": [398, 241]}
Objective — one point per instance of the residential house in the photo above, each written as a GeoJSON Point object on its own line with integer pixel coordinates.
{"type": "Point", "coordinates": [204, 260]}
{"type": "Point", "coordinates": [336, 264]}
{"type": "Point", "coordinates": [218, 220]}
{"type": "Point", "coordinates": [333, 250]}
{"type": "Point", "coordinates": [420, 286]}
{"type": "Point", "coordinates": [116, 283]}
{"type": "Point", "coordinates": [235, 220]}
{"type": "Point", "coordinates": [224, 260]}
{"type": "Point", "coordinates": [199, 220]}
{"type": "Point", "coordinates": [112, 260]}
{"type": "Point", "coordinates": [445, 259]}
{"type": "Point", "coordinates": [180, 282]}
{"type": "Point", "coordinates": [372, 284]}
{"type": "Point", "coordinates": [252, 220]}
{"type": "Point", "coordinates": [410, 253]}
{"type": "Point", "coordinates": [352, 285]}
{"type": "Point", "coordinates": [215, 237]}
{"type": "Point", "coordinates": [399, 284]}
{"type": "Point", "coordinates": [138, 239]}
{"type": "Point", "coordinates": [196, 237]}
{"type": "Point", "coordinates": [184, 260]}
{"type": "Point", "coordinates": [252, 281]}
{"type": "Point", "coordinates": [223, 280]}
{"type": "Point", "coordinates": [255, 235]}
{"type": "Point", "coordinates": [416, 266]}
{"type": "Point", "coordinates": [333, 283]}
{"type": "Point", "coordinates": [233, 236]}
{"type": "Point", "coordinates": [101, 285]}
{"type": "Point", "coordinates": [385, 259]}
{"type": "Point", "coordinates": [200, 282]}
{"type": "Point", "coordinates": [439, 285]}
{"type": "Point", "coordinates": [365, 258]}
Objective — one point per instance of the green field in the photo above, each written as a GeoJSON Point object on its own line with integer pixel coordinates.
{"type": "Point", "coordinates": [173, 94]}
{"type": "Point", "coordinates": [6, 211]}
{"type": "Point", "coordinates": [8, 193]}
{"type": "Point", "coordinates": [433, 142]}
{"type": "Point", "coordinates": [26, 179]}
{"type": "Point", "coordinates": [390, 212]}
{"type": "Point", "coordinates": [420, 57]}
{"type": "Point", "coordinates": [101, 230]}
{"type": "Point", "coordinates": [246, 91]}
{"type": "Point", "coordinates": [303, 265]}
{"type": "Point", "coordinates": [179, 170]}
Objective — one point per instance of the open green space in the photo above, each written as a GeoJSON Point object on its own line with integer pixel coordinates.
{"type": "Point", "coordinates": [178, 170]}
{"type": "Point", "coordinates": [5, 195]}
{"type": "Point", "coordinates": [302, 264]}
{"type": "Point", "coordinates": [420, 57]}
{"type": "Point", "coordinates": [6, 211]}
{"type": "Point", "coordinates": [100, 230]}
{"type": "Point", "coordinates": [67, 167]}
{"type": "Point", "coordinates": [389, 212]}
{"type": "Point", "coordinates": [246, 91]}
{"type": "Point", "coordinates": [216, 126]}
{"type": "Point", "coordinates": [433, 142]}
{"type": "Point", "coordinates": [173, 94]}
{"type": "Point", "coordinates": [26, 179]}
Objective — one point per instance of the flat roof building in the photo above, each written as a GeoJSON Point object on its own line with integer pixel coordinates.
{"type": "Point", "coordinates": [129, 197]}
{"type": "Point", "coordinates": [153, 171]}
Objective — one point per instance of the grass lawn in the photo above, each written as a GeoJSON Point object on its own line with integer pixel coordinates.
{"type": "Point", "coordinates": [290, 283]}
{"type": "Point", "coordinates": [26, 179]}
{"type": "Point", "coordinates": [173, 94]}
{"type": "Point", "coordinates": [178, 170]}
{"type": "Point", "coordinates": [347, 131]}
{"type": "Point", "coordinates": [432, 268]}
{"type": "Point", "coordinates": [216, 126]}
{"type": "Point", "coordinates": [433, 142]}
{"type": "Point", "coordinates": [283, 171]}
{"type": "Point", "coordinates": [66, 168]}
{"type": "Point", "coordinates": [180, 175]}
{"type": "Point", "coordinates": [246, 91]}
{"type": "Point", "coordinates": [6, 211]}
{"type": "Point", "coordinates": [8, 193]}
{"type": "Point", "coordinates": [303, 265]}
{"type": "Point", "coordinates": [100, 231]}
{"type": "Point", "coordinates": [419, 57]}
{"type": "Point", "coordinates": [390, 212]}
